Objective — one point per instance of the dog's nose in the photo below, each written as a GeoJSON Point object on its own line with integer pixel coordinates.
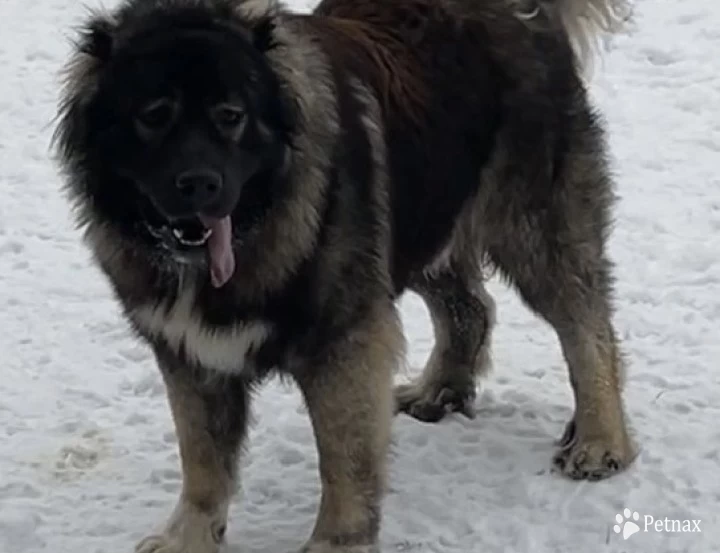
{"type": "Point", "coordinates": [200, 186]}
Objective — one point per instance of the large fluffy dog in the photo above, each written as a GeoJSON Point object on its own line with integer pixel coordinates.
{"type": "Point", "coordinates": [260, 187]}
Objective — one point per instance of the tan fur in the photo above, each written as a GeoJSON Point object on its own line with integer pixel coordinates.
{"type": "Point", "coordinates": [372, 119]}
{"type": "Point", "coordinates": [290, 229]}
{"type": "Point", "coordinates": [206, 483]}
{"type": "Point", "coordinates": [596, 374]}
{"type": "Point", "coordinates": [339, 243]}
{"type": "Point", "coordinates": [249, 9]}
{"type": "Point", "coordinates": [350, 406]}
{"type": "Point", "coordinates": [199, 520]}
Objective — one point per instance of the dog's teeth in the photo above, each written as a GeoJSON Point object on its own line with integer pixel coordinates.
{"type": "Point", "coordinates": [180, 235]}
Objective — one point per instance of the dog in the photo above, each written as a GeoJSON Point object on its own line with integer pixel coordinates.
{"type": "Point", "coordinates": [259, 187]}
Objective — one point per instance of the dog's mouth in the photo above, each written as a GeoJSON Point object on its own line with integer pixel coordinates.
{"type": "Point", "coordinates": [191, 234]}
{"type": "Point", "coordinates": [201, 234]}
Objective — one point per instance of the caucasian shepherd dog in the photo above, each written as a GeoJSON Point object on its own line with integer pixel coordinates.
{"type": "Point", "coordinates": [260, 186]}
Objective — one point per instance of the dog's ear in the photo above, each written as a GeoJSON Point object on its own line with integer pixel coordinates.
{"type": "Point", "coordinates": [259, 16]}
{"type": "Point", "coordinates": [263, 35]}
{"type": "Point", "coordinates": [97, 38]}
{"type": "Point", "coordinates": [253, 9]}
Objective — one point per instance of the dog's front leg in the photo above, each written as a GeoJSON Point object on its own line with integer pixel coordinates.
{"type": "Point", "coordinates": [349, 399]}
{"type": "Point", "coordinates": [210, 414]}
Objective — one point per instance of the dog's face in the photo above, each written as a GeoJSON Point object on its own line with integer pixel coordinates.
{"type": "Point", "coordinates": [182, 118]}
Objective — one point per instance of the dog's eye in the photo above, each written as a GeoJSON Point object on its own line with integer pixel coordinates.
{"type": "Point", "coordinates": [229, 117]}
{"type": "Point", "coordinates": [157, 115]}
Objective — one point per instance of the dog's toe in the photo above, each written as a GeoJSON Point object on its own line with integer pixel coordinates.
{"type": "Point", "coordinates": [431, 405]}
{"type": "Point", "coordinates": [592, 459]}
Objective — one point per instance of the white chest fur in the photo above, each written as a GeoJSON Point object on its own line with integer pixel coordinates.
{"type": "Point", "coordinates": [223, 349]}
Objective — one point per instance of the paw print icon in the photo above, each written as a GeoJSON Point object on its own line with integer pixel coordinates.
{"type": "Point", "coordinates": [627, 523]}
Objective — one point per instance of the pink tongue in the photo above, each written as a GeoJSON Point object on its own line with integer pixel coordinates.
{"type": "Point", "coordinates": [222, 259]}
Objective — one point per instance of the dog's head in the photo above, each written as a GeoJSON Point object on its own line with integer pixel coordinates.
{"type": "Point", "coordinates": [173, 123]}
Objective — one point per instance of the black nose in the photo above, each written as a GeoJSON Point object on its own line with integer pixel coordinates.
{"type": "Point", "coordinates": [199, 186]}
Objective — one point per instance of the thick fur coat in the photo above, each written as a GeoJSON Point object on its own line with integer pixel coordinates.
{"type": "Point", "coordinates": [260, 186]}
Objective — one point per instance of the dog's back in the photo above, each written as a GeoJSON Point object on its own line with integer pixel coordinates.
{"type": "Point", "coordinates": [449, 75]}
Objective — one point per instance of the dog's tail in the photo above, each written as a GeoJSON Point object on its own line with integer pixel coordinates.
{"type": "Point", "coordinates": [587, 22]}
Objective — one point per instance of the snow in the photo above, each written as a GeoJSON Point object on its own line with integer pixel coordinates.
{"type": "Point", "coordinates": [87, 455]}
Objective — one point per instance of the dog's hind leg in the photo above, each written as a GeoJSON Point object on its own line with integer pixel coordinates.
{"type": "Point", "coordinates": [551, 246]}
{"type": "Point", "coordinates": [463, 315]}
{"type": "Point", "coordinates": [210, 422]}
{"type": "Point", "coordinates": [568, 287]}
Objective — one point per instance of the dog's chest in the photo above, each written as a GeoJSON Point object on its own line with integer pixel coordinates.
{"type": "Point", "coordinates": [182, 327]}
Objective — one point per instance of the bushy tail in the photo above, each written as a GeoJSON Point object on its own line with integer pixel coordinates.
{"type": "Point", "coordinates": [587, 22]}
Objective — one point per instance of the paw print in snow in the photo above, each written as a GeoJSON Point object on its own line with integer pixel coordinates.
{"type": "Point", "coordinates": [625, 524]}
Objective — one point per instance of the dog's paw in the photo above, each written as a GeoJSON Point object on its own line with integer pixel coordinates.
{"type": "Point", "coordinates": [430, 403]}
{"type": "Point", "coordinates": [189, 530]}
{"type": "Point", "coordinates": [160, 544]}
{"type": "Point", "coordinates": [329, 547]}
{"type": "Point", "coordinates": [592, 459]}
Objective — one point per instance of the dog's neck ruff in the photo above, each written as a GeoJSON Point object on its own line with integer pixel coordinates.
{"type": "Point", "coordinates": [184, 330]}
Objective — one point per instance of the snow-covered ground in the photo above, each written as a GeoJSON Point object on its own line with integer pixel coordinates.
{"type": "Point", "coordinates": [87, 451]}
